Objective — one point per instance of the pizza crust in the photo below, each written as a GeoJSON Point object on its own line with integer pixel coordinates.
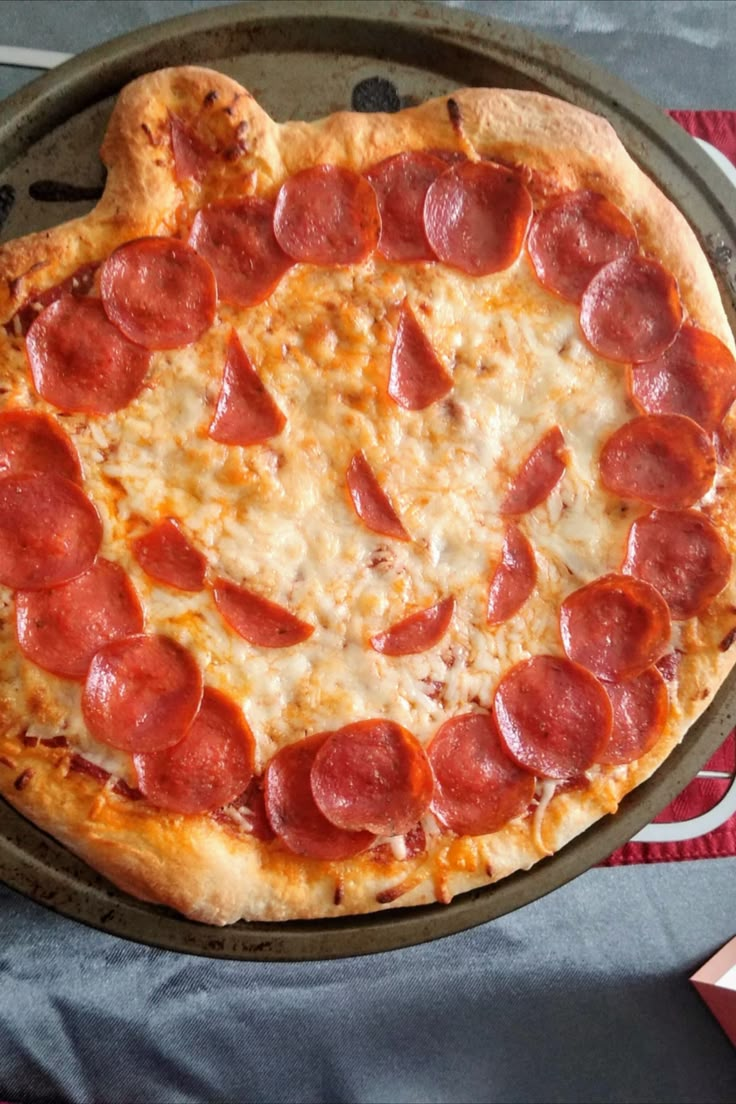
{"type": "Point", "coordinates": [195, 864]}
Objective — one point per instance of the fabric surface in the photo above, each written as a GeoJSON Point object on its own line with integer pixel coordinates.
{"type": "Point", "coordinates": [582, 996]}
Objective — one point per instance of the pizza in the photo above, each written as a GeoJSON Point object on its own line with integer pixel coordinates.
{"type": "Point", "coordinates": [367, 499]}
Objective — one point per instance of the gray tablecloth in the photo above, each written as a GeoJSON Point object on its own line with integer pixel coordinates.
{"type": "Point", "coordinates": [582, 996]}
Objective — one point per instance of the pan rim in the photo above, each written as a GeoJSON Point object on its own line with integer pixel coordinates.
{"type": "Point", "coordinates": [65, 91]}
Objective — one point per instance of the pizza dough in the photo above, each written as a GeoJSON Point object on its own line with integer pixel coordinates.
{"type": "Point", "coordinates": [366, 499]}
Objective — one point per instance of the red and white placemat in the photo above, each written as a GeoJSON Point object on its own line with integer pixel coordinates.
{"type": "Point", "coordinates": [701, 822]}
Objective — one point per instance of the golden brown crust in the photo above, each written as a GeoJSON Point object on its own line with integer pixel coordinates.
{"type": "Point", "coordinates": [198, 865]}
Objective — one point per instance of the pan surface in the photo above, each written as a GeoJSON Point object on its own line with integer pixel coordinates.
{"type": "Point", "coordinates": [303, 59]}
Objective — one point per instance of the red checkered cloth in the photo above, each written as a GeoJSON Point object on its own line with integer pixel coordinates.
{"type": "Point", "coordinates": [709, 792]}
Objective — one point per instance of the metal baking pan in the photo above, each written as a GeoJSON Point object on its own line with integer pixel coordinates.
{"type": "Point", "coordinates": [303, 59]}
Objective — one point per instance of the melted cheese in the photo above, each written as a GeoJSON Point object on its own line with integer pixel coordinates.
{"type": "Point", "coordinates": [278, 517]}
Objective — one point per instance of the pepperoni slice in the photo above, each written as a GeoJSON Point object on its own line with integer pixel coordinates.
{"type": "Point", "coordinates": [79, 283]}
{"type": "Point", "coordinates": [401, 185]}
{"type": "Point", "coordinates": [477, 788]}
{"type": "Point", "coordinates": [257, 620]}
{"type": "Point", "coordinates": [538, 475]}
{"type": "Point", "coordinates": [372, 776]}
{"type": "Point", "coordinates": [245, 413]}
{"type": "Point", "coordinates": [372, 504]}
{"type": "Point", "coordinates": [80, 362]}
{"type": "Point", "coordinates": [293, 813]}
{"type": "Point", "coordinates": [514, 578]}
{"type": "Point", "coordinates": [60, 629]}
{"type": "Point", "coordinates": [159, 292]}
{"type": "Point", "coordinates": [631, 311]}
{"type": "Point", "coordinates": [616, 626]}
{"type": "Point", "coordinates": [682, 554]}
{"type": "Point", "coordinates": [663, 459]}
{"type": "Point", "coordinates": [238, 242]}
{"type": "Point", "coordinates": [255, 811]}
{"type": "Point", "coordinates": [418, 377]}
{"type": "Point", "coordinates": [142, 693]}
{"type": "Point", "coordinates": [209, 767]}
{"type": "Point", "coordinates": [31, 444]}
{"type": "Point", "coordinates": [476, 217]}
{"type": "Point", "coordinates": [640, 708]}
{"type": "Point", "coordinates": [327, 216]}
{"type": "Point", "coordinates": [166, 555]}
{"type": "Point", "coordinates": [417, 633]}
{"type": "Point", "coordinates": [696, 376]}
{"type": "Point", "coordinates": [49, 531]}
{"type": "Point", "coordinates": [192, 157]}
{"type": "Point", "coordinates": [554, 718]}
{"type": "Point", "coordinates": [574, 237]}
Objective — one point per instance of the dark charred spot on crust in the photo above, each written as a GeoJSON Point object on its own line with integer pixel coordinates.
{"type": "Point", "coordinates": [375, 94]}
{"type": "Point", "coordinates": [55, 742]}
{"type": "Point", "coordinates": [386, 896]}
{"type": "Point", "coordinates": [239, 146]}
{"type": "Point", "coordinates": [339, 891]}
{"type": "Point", "coordinates": [229, 110]}
{"type": "Point", "coordinates": [728, 640]}
{"type": "Point", "coordinates": [489, 870]}
{"type": "Point", "coordinates": [455, 116]}
{"type": "Point", "coordinates": [210, 98]}
{"type": "Point", "coordinates": [122, 789]}
{"type": "Point", "coordinates": [81, 765]}
{"type": "Point", "coordinates": [704, 693]}
{"type": "Point", "coordinates": [24, 778]}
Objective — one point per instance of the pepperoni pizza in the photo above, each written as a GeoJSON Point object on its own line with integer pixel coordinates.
{"type": "Point", "coordinates": [367, 499]}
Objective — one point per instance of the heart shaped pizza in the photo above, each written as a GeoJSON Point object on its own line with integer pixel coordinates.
{"type": "Point", "coordinates": [367, 499]}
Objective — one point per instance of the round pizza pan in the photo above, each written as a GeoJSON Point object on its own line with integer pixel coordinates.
{"type": "Point", "coordinates": [303, 59]}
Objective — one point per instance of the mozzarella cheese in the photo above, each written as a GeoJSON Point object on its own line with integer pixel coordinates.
{"type": "Point", "coordinates": [277, 517]}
